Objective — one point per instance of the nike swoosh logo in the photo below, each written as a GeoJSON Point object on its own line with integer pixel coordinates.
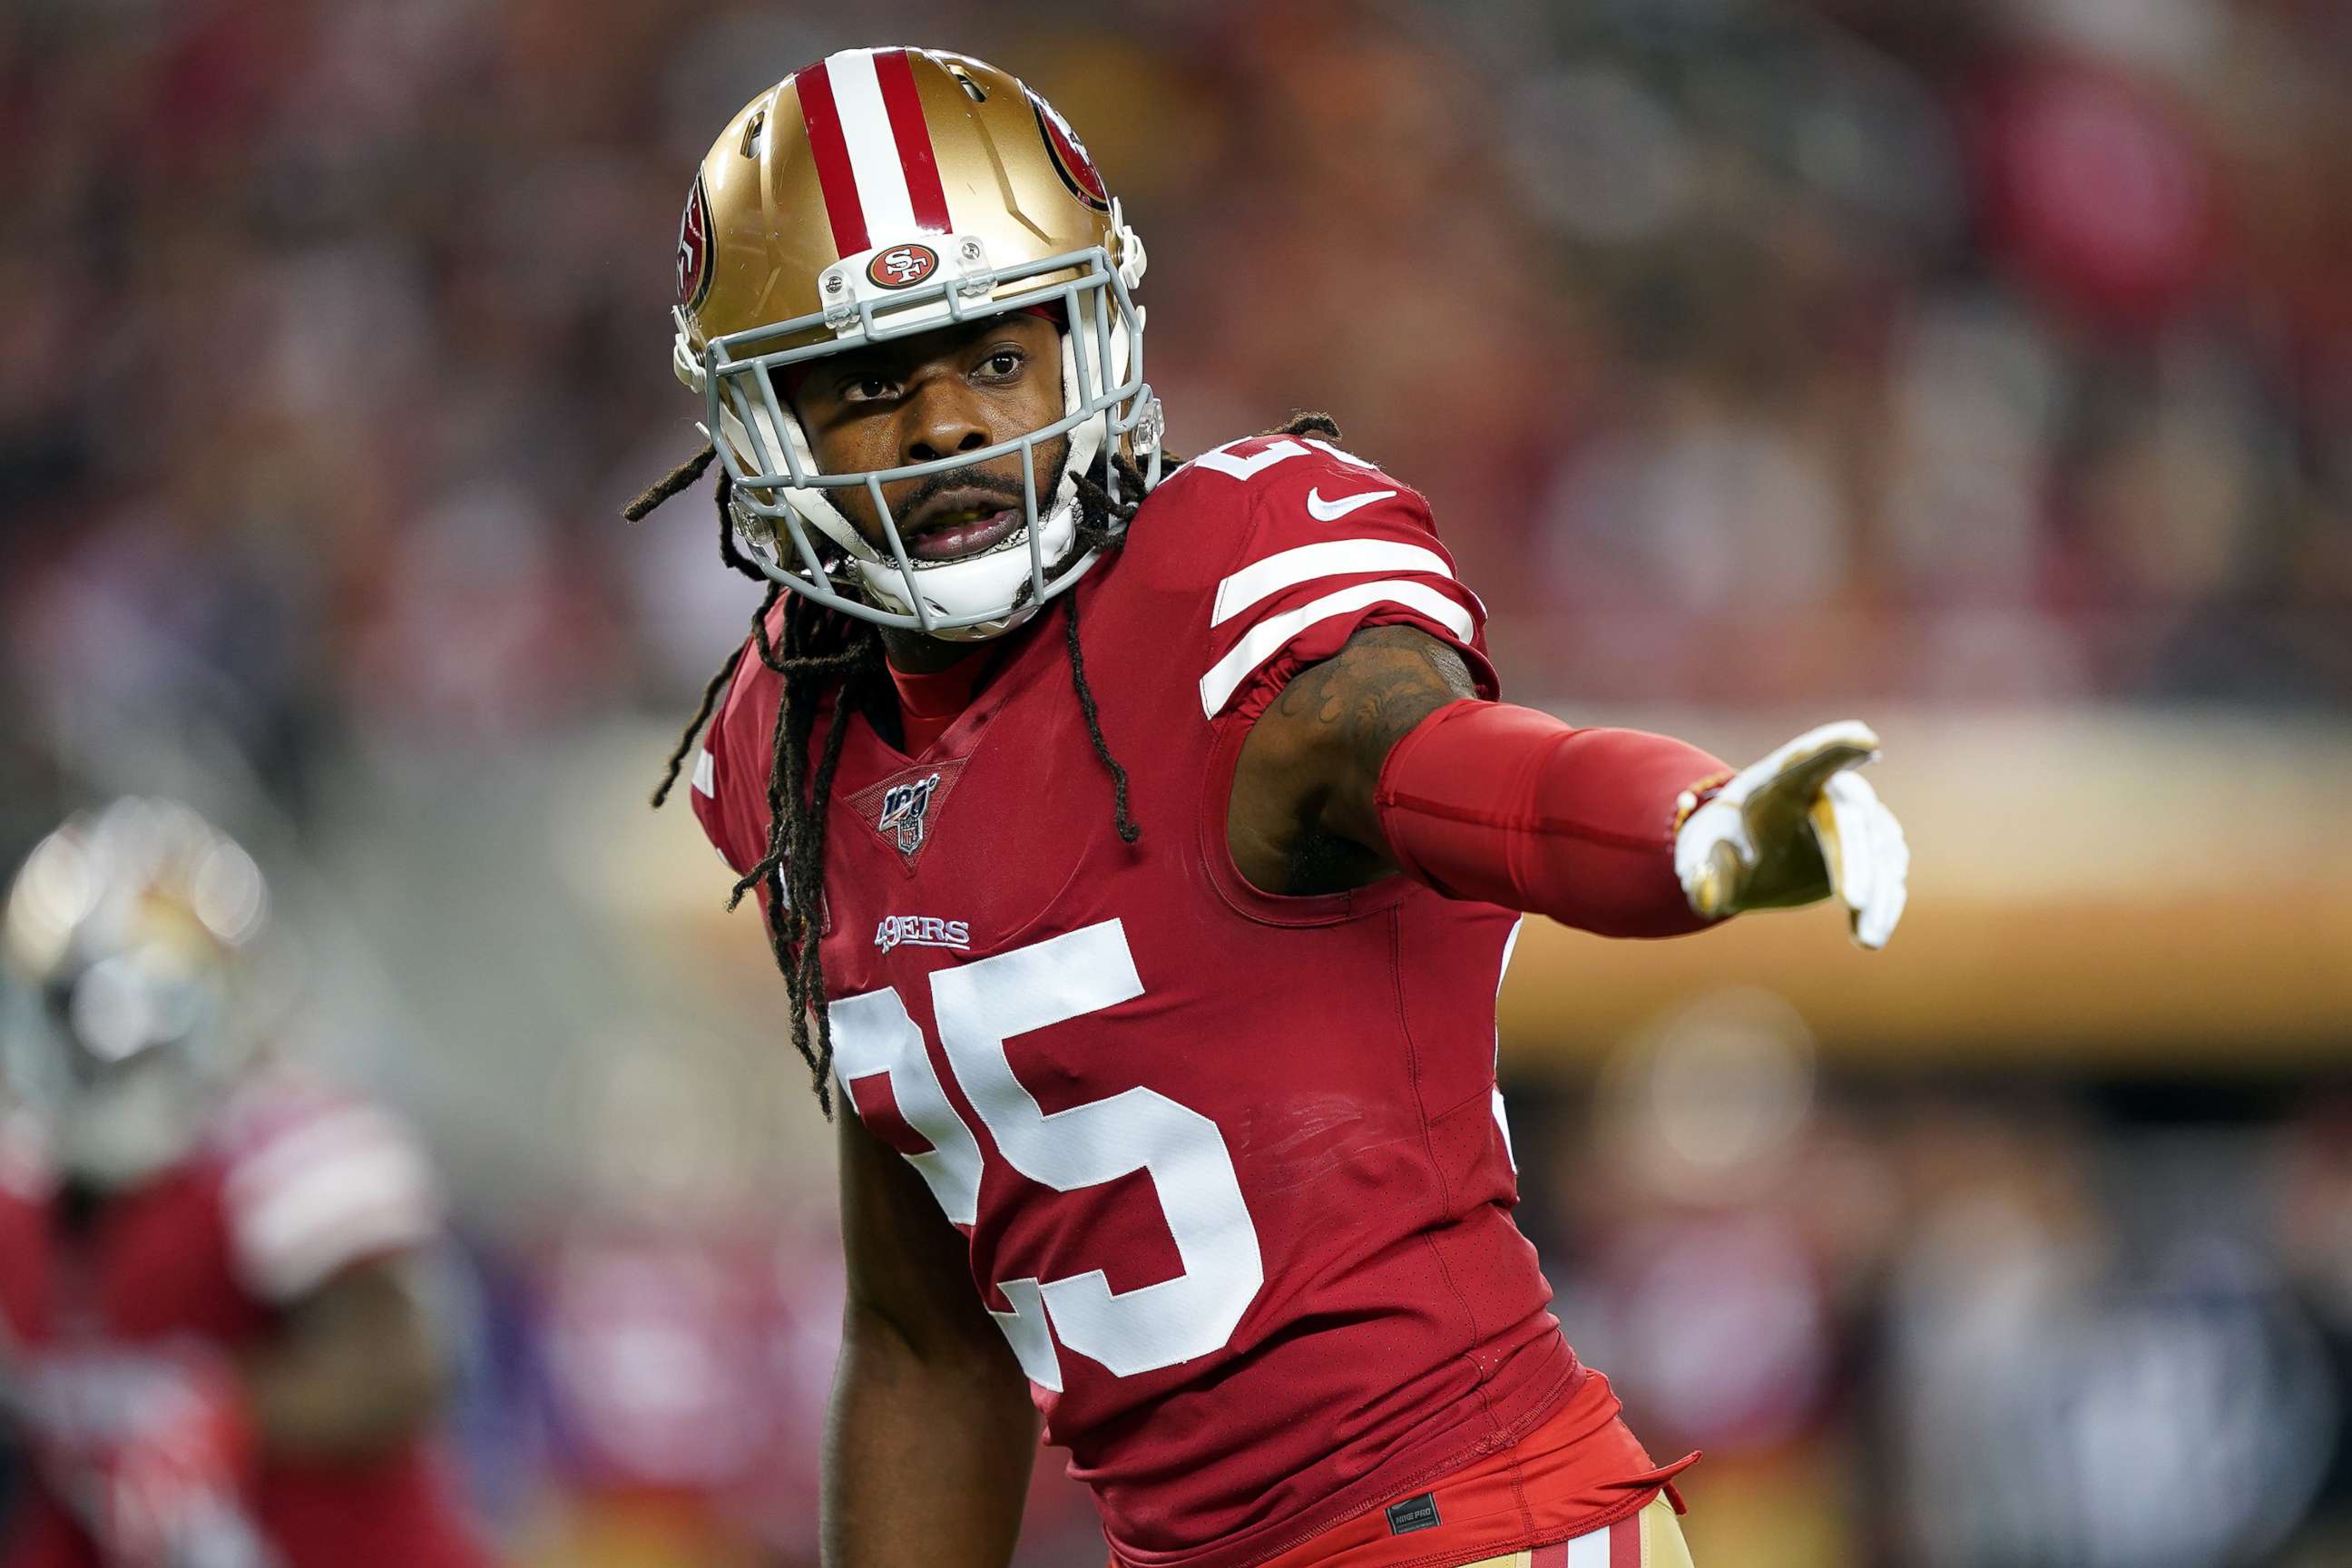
{"type": "Point", "coordinates": [1323, 510]}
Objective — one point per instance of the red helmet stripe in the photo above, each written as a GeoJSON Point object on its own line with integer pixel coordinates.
{"type": "Point", "coordinates": [896, 71]}
{"type": "Point", "coordinates": [830, 150]}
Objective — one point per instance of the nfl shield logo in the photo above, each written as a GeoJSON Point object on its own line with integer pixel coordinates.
{"type": "Point", "coordinates": [903, 807]}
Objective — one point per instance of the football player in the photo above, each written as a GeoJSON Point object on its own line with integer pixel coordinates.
{"type": "Point", "coordinates": [1142, 844]}
{"type": "Point", "coordinates": [211, 1348]}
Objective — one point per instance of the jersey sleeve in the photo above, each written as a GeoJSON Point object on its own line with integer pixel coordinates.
{"type": "Point", "coordinates": [727, 784]}
{"type": "Point", "coordinates": [1331, 545]}
{"type": "Point", "coordinates": [316, 1180]}
{"type": "Point", "coordinates": [728, 780]}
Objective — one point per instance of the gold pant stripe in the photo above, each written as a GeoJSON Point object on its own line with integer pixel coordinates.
{"type": "Point", "coordinates": [1661, 1545]}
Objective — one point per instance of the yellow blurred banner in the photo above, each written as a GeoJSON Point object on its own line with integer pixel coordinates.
{"type": "Point", "coordinates": [2106, 888]}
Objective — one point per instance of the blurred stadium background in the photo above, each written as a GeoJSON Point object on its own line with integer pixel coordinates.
{"type": "Point", "coordinates": [1981, 368]}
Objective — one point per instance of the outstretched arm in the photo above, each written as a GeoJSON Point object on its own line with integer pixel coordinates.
{"type": "Point", "coordinates": [1380, 758]}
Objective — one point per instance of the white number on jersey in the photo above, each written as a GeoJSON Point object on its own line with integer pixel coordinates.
{"type": "Point", "coordinates": [981, 1005]}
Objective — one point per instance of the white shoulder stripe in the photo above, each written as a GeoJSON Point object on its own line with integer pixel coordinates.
{"type": "Point", "coordinates": [1265, 639]}
{"type": "Point", "coordinates": [369, 1198]}
{"type": "Point", "coordinates": [286, 1156]}
{"type": "Point", "coordinates": [705, 773]}
{"type": "Point", "coordinates": [873, 150]}
{"type": "Point", "coordinates": [1332, 558]}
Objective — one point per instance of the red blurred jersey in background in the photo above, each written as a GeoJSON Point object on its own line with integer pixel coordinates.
{"type": "Point", "coordinates": [296, 1183]}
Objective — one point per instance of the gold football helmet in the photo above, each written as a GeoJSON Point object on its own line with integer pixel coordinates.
{"type": "Point", "coordinates": [119, 951]}
{"type": "Point", "coordinates": [882, 193]}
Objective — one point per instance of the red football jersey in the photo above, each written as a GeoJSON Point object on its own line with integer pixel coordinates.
{"type": "Point", "coordinates": [295, 1182]}
{"type": "Point", "coordinates": [1233, 1166]}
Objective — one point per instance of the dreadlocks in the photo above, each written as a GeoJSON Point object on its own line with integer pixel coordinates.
{"type": "Point", "coordinates": [824, 653]}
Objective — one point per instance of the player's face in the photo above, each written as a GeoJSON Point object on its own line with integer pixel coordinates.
{"type": "Point", "coordinates": [933, 395]}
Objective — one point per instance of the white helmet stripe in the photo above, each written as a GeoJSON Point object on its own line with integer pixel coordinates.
{"type": "Point", "coordinates": [882, 188]}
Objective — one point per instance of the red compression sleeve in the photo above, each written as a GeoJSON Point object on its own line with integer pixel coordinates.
{"type": "Point", "coordinates": [1486, 801]}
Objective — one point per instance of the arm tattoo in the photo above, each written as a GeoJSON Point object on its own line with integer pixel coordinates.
{"type": "Point", "coordinates": [1300, 818]}
{"type": "Point", "coordinates": [1369, 695]}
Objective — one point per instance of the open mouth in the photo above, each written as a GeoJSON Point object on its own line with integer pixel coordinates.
{"type": "Point", "coordinates": [960, 523]}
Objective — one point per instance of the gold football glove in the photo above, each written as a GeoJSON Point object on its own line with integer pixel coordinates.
{"type": "Point", "coordinates": [1797, 827]}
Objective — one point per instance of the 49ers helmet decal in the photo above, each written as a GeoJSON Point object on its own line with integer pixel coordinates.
{"type": "Point", "coordinates": [876, 195]}
{"type": "Point", "coordinates": [1071, 160]}
{"type": "Point", "coordinates": [693, 250]}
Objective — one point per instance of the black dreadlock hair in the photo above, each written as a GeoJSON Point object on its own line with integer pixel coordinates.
{"type": "Point", "coordinates": [825, 652]}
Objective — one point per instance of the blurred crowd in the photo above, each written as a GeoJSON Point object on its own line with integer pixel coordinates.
{"type": "Point", "coordinates": [1971, 352]}
{"type": "Point", "coordinates": [1952, 1325]}
{"type": "Point", "coordinates": [1976, 353]}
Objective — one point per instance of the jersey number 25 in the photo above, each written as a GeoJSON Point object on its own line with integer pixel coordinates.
{"type": "Point", "coordinates": [979, 1007]}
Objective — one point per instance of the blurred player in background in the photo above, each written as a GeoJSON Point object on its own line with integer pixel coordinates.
{"type": "Point", "coordinates": [212, 1351]}
{"type": "Point", "coordinates": [1142, 854]}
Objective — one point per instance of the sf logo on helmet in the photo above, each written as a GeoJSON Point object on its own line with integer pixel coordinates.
{"type": "Point", "coordinates": [902, 266]}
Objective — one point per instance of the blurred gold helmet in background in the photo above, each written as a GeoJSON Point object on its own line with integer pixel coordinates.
{"type": "Point", "coordinates": [882, 193]}
{"type": "Point", "coordinates": [121, 951]}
